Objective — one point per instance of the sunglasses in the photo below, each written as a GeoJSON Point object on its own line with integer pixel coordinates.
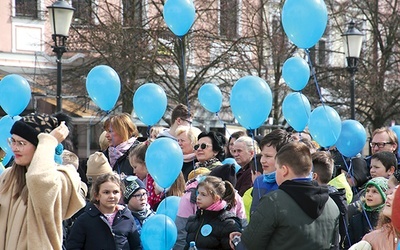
{"type": "Point", "coordinates": [202, 146]}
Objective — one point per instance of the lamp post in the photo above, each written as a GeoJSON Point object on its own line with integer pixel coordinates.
{"type": "Point", "coordinates": [60, 15]}
{"type": "Point", "coordinates": [352, 42]}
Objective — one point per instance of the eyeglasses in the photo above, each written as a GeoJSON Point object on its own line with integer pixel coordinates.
{"type": "Point", "coordinates": [18, 144]}
{"type": "Point", "coordinates": [202, 146]}
{"type": "Point", "coordinates": [188, 121]}
{"type": "Point", "coordinates": [379, 144]}
{"type": "Point", "coordinates": [139, 196]}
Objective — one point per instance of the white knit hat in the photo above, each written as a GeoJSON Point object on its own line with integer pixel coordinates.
{"type": "Point", "coordinates": [97, 165]}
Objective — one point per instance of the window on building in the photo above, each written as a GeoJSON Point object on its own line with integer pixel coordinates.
{"type": "Point", "coordinates": [318, 53]}
{"type": "Point", "coordinates": [228, 19]}
{"type": "Point", "coordinates": [26, 8]}
{"type": "Point", "coordinates": [83, 11]}
{"type": "Point", "coordinates": [133, 12]}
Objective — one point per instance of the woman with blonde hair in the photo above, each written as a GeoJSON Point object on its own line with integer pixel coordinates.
{"type": "Point", "coordinates": [187, 138]}
{"type": "Point", "coordinates": [121, 134]}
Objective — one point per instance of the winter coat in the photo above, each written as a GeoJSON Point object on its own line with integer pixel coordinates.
{"type": "Point", "coordinates": [53, 195]}
{"type": "Point", "coordinates": [243, 176]}
{"type": "Point", "coordinates": [187, 207]}
{"type": "Point", "coordinates": [359, 226]}
{"type": "Point", "coordinates": [211, 229]}
{"type": "Point", "coordinates": [92, 231]}
{"type": "Point", "coordinates": [299, 215]}
{"type": "Point", "coordinates": [260, 188]}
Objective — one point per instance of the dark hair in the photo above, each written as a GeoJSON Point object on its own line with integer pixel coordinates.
{"type": "Point", "coordinates": [323, 165]}
{"type": "Point", "coordinates": [388, 159]}
{"type": "Point", "coordinates": [218, 142]}
{"type": "Point", "coordinates": [277, 138]}
{"type": "Point", "coordinates": [296, 156]}
{"type": "Point", "coordinates": [216, 186]}
{"type": "Point", "coordinates": [180, 111]}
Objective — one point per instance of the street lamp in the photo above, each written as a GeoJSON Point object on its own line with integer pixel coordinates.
{"type": "Point", "coordinates": [60, 15]}
{"type": "Point", "coordinates": [352, 41]}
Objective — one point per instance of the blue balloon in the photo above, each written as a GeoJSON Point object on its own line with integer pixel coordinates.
{"type": "Point", "coordinates": [150, 103]}
{"type": "Point", "coordinates": [325, 125]}
{"type": "Point", "coordinates": [210, 97]}
{"type": "Point", "coordinates": [352, 138]}
{"type": "Point", "coordinates": [164, 159]}
{"type": "Point", "coordinates": [169, 206]}
{"type": "Point", "coordinates": [296, 72]}
{"type": "Point", "coordinates": [251, 101]}
{"type": "Point", "coordinates": [15, 94]}
{"type": "Point", "coordinates": [232, 161]}
{"type": "Point", "coordinates": [296, 109]}
{"type": "Point", "coordinates": [6, 122]}
{"type": "Point", "coordinates": [159, 232]}
{"type": "Point", "coordinates": [103, 86]}
{"type": "Point", "coordinates": [179, 16]}
{"type": "Point", "coordinates": [304, 21]}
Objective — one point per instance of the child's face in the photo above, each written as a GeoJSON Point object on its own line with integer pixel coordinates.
{"type": "Point", "coordinates": [387, 210]}
{"type": "Point", "coordinates": [377, 169]}
{"type": "Point", "coordinates": [391, 185]}
{"type": "Point", "coordinates": [204, 199]}
{"type": "Point", "coordinates": [108, 196]}
{"type": "Point", "coordinates": [372, 197]}
{"type": "Point", "coordinates": [268, 159]}
{"type": "Point", "coordinates": [138, 201]}
{"type": "Point", "coordinates": [139, 168]}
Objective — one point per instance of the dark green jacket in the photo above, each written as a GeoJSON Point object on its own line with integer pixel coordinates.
{"type": "Point", "coordinates": [279, 222]}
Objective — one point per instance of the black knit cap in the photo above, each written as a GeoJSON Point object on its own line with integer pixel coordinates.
{"type": "Point", "coordinates": [30, 126]}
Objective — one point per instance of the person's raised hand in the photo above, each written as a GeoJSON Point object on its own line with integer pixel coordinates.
{"type": "Point", "coordinates": [61, 132]}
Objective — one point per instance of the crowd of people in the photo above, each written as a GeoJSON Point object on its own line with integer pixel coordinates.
{"type": "Point", "coordinates": [282, 191]}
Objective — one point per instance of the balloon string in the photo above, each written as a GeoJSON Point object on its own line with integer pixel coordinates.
{"type": "Point", "coordinates": [184, 72]}
{"type": "Point", "coordinates": [148, 131]}
{"type": "Point", "coordinates": [319, 91]}
{"type": "Point", "coordinates": [224, 123]}
{"type": "Point", "coordinates": [314, 76]}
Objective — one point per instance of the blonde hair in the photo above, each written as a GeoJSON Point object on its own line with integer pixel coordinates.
{"type": "Point", "coordinates": [70, 158]}
{"type": "Point", "coordinates": [103, 142]}
{"type": "Point", "coordinates": [178, 187]}
{"type": "Point", "coordinates": [191, 132]}
{"type": "Point", "coordinates": [123, 125]}
{"type": "Point", "coordinates": [16, 178]}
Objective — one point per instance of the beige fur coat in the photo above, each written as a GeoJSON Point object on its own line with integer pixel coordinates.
{"type": "Point", "coordinates": [53, 195]}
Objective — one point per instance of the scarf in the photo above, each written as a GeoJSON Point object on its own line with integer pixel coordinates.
{"type": "Point", "coordinates": [142, 215]}
{"type": "Point", "coordinates": [270, 177]}
{"type": "Point", "coordinates": [114, 153]}
{"type": "Point", "coordinates": [207, 163]}
{"type": "Point", "coordinates": [217, 206]}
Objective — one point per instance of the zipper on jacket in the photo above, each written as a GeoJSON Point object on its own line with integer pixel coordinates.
{"type": "Point", "coordinates": [202, 221]}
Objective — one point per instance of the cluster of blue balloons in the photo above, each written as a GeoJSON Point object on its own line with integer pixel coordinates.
{"type": "Point", "coordinates": [103, 86]}
{"type": "Point", "coordinates": [15, 95]}
{"type": "Point", "coordinates": [150, 103]}
{"type": "Point", "coordinates": [251, 101]}
{"type": "Point", "coordinates": [179, 16]}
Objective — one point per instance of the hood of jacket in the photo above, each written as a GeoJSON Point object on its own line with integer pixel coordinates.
{"type": "Point", "coordinates": [308, 195]}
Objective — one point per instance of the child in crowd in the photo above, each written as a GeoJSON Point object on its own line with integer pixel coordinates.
{"type": "Point", "coordinates": [105, 224]}
{"type": "Point", "coordinates": [384, 236]}
{"type": "Point", "coordinates": [383, 164]}
{"type": "Point", "coordinates": [97, 165]}
{"type": "Point", "coordinates": [211, 225]}
{"type": "Point", "coordinates": [135, 197]}
{"type": "Point", "coordinates": [366, 218]}
{"type": "Point", "coordinates": [137, 161]}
